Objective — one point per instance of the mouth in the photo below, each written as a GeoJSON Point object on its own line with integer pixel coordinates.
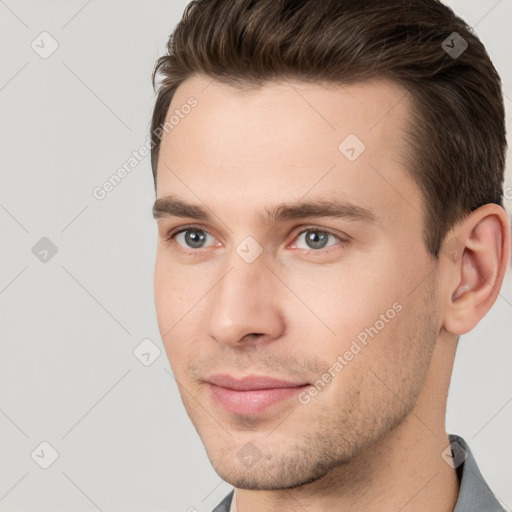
{"type": "Point", "coordinates": [252, 394]}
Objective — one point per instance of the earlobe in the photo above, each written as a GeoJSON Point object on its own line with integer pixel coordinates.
{"type": "Point", "coordinates": [484, 240]}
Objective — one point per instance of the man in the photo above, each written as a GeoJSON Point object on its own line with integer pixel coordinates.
{"type": "Point", "coordinates": [329, 203]}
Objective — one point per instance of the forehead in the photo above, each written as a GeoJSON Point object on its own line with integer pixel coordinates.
{"type": "Point", "coordinates": [286, 140]}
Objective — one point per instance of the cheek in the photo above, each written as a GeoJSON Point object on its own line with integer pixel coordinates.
{"type": "Point", "coordinates": [360, 313]}
{"type": "Point", "coordinates": [345, 297]}
{"type": "Point", "coordinates": [175, 291]}
{"type": "Point", "coordinates": [179, 294]}
{"type": "Point", "coordinates": [170, 303]}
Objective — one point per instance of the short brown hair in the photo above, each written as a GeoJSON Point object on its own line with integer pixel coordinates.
{"type": "Point", "coordinates": [457, 134]}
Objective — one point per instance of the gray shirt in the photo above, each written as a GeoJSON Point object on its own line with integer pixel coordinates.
{"type": "Point", "coordinates": [474, 493]}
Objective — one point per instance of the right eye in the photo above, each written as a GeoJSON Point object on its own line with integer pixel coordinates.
{"type": "Point", "coordinates": [193, 238]}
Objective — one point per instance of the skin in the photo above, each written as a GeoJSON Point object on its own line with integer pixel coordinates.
{"type": "Point", "coordinates": [290, 313]}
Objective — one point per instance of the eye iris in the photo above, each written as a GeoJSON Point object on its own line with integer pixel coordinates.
{"type": "Point", "coordinates": [195, 238]}
{"type": "Point", "coordinates": [316, 239]}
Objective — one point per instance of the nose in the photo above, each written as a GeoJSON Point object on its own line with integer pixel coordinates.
{"type": "Point", "coordinates": [245, 308]}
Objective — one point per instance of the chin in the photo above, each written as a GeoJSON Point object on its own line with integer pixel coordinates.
{"type": "Point", "coordinates": [270, 474]}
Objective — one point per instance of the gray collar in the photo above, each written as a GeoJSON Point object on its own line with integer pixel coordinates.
{"type": "Point", "coordinates": [474, 493]}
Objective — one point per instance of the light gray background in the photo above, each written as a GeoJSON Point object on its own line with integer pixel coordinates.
{"type": "Point", "coordinates": [70, 325]}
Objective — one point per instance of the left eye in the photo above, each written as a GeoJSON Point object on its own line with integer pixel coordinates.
{"type": "Point", "coordinates": [315, 239]}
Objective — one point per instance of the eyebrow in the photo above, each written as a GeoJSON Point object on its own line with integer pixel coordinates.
{"type": "Point", "coordinates": [170, 206]}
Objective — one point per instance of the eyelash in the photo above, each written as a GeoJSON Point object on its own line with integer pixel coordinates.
{"type": "Point", "coordinates": [175, 232]}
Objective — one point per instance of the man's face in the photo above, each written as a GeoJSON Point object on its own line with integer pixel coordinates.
{"type": "Point", "coordinates": [295, 254]}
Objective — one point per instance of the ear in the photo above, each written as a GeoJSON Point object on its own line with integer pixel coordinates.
{"type": "Point", "coordinates": [475, 257]}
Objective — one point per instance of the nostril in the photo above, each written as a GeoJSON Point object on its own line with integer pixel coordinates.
{"type": "Point", "coordinates": [254, 335]}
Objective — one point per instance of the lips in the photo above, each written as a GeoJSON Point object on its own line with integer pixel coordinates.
{"type": "Point", "coordinates": [252, 394]}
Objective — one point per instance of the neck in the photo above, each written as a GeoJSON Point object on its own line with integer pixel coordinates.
{"type": "Point", "coordinates": [404, 471]}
